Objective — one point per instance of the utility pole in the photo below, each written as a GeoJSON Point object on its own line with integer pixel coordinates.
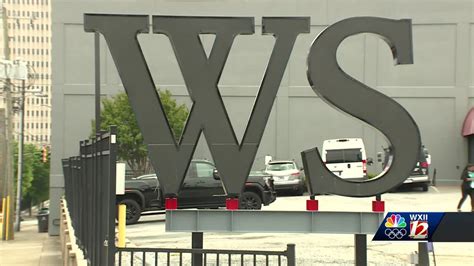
{"type": "Point", "coordinates": [97, 80]}
{"type": "Point", "coordinates": [20, 157]}
{"type": "Point", "coordinates": [8, 223]}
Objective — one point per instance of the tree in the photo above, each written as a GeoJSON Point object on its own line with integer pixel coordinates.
{"type": "Point", "coordinates": [131, 148]}
{"type": "Point", "coordinates": [35, 179]}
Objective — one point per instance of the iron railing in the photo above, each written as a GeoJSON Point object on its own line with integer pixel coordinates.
{"type": "Point", "coordinates": [90, 193]}
{"type": "Point", "coordinates": [167, 256]}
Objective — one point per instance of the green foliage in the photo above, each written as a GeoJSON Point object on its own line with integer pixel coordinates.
{"type": "Point", "coordinates": [131, 148]}
{"type": "Point", "coordinates": [35, 179]}
{"type": "Point", "coordinates": [371, 175]}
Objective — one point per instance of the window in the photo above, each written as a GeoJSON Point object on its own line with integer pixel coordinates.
{"type": "Point", "coordinates": [281, 166]}
{"type": "Point", "coordinates": [204, 170]}
{"type": "Point", "coordinates": [343, 156]}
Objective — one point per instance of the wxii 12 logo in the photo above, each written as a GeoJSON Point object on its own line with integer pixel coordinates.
{"type": "Point", "coordinates": [418, 226]}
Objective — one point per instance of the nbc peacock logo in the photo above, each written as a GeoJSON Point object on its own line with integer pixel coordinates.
{"type": "Point", "coordinates": [395, 227]}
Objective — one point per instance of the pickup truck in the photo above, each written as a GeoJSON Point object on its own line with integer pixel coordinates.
{"type": "Point", "coordinates": [202, 188]}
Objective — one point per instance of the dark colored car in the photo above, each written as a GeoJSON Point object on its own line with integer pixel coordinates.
{"type": "Point", "coordinates": [420, 174]}
{"type": "Point", "coordinates": [202, 188]}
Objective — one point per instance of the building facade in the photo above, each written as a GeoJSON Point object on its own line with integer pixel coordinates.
{"type": "Point", "coordinates": [27, 27]}
{"type": "Point", "coordinates": [437, 89]}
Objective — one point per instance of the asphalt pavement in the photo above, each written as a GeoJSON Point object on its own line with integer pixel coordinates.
{"type": "Point", "coordinates": [325, 249]}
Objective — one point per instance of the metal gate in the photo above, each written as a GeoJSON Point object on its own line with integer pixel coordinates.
{"type": "Point", "coordinates": [166, 256]}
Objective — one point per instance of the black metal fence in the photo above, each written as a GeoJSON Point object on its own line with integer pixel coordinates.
{"type": "Point", "coordinates": [166, 256]}
{"type": "Point", "coordinates": [90, 194]}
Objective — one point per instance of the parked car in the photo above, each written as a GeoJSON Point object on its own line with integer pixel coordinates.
{"type": "Point", "coordinates": [346, 158]}
{"type": "Point", "coordinates": [202, 188]}
{"type": "Point", "coordinates": [287, 176]}
{"type": "Point", "coordinates": [420, 174]}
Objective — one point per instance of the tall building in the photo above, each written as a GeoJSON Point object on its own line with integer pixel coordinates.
{"type": "Point", "coordinates": [27, 23]}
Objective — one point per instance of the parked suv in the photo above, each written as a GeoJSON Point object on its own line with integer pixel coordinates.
{"type": "Point", "coordinates": [420, 174]}
{"type": "Point", "coordinates": [202, 188]}
{"type": "Point", "coordinates": [287, 176]}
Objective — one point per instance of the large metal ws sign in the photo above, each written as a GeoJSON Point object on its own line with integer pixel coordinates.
{"type": "Point", "coordinates": [209, 116]}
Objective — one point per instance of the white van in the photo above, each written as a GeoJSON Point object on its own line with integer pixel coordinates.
{"type": "Point", "coordinates": [346, 157]}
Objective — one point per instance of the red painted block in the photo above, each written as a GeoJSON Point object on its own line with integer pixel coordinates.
{"type": "Point", "coordinates": [312, 205]}
{"type": "Point", "coordinates": [232, 203]}
{"type": "Point", "coordinates": [378, 206]}
{"type": "Point", "coordinates": [171, 203]}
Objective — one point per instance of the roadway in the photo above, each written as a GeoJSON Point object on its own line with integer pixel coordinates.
{"type": "Point", "coordinates": [317, 249]}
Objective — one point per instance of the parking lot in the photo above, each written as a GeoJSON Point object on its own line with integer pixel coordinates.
{"type": "Point", "coordinates": [319, 249]}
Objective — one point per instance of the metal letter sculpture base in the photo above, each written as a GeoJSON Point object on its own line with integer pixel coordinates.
{"type": "Point", "coordinates": [252, 221]}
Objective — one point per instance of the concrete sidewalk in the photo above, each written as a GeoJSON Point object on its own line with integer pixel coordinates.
{"type": "Point", "coordinates": [30, 247]}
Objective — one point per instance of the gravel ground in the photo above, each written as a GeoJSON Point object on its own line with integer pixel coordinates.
{"type": "Point", "coordinates": [319, 249]}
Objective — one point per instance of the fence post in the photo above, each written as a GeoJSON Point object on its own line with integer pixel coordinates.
{"type": "Point", "coordinates": [197, 243]}
{"type": "Point", "coordinates": [291, 254]}
{"type": "Point", "coordinates": [423, 256]}
{"type": "Point", "coordinates": [360, 241]}
{"type": "Point", "coordinates": [112, 211]}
